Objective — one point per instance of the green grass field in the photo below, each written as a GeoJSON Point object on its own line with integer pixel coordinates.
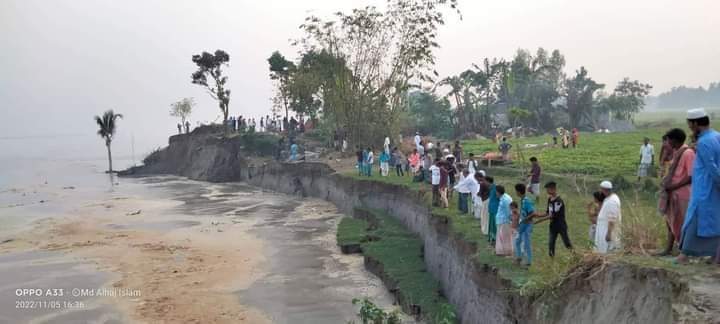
{"type": "Point", "coordinates": [578, 172]}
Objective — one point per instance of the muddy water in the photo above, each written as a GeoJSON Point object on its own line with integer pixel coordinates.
{"type": "Point", "coordinates": [305, 278]}
{"type": "Point", "coordinates": [302, 279]}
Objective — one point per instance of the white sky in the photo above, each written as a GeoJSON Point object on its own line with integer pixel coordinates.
{"type": "Point", "coordinates": [64, 61]}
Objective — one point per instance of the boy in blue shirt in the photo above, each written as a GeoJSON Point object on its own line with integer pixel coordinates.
{"type": "Point", "coordinates": [525, 226]}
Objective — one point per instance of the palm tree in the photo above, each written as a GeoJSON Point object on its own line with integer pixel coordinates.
{"type": "Point", "coordinates": [107, 131]}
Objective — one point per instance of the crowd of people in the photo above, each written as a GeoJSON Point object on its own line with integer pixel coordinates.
{"type": "Point", "coordinates": [689, 199]}
{"type": "Point", "coordinates": [267, 124]}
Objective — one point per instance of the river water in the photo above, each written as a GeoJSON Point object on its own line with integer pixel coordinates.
{"type": "Point", "coordinates": [302, 277]}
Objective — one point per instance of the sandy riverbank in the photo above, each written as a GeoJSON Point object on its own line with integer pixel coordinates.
{"type": "Point", "coordinates": [183, 274]}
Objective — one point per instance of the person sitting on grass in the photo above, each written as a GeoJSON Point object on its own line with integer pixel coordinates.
{"type": "Point", "coordinates": [556, 214]}
{"type": "Point", "coordinates": [525, 226]}
{"type": "Point", "coordinates": [503, 243]}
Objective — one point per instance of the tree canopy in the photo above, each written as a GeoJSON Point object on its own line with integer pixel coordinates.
{"type": "Point", "coordinates": [182, 109]}
{"type": "Point", "coordinates": [356, 68]}
{"type": "Point", "coordinates": [210, 76]}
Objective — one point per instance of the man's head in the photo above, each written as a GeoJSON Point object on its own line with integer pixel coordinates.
{"type": "Point", "coordinates": [500, 190]}
{"type": "Point", "coordinates": [472, 156]}
{"type": "Point", "coordinates": [437, 161]}
{"type": "Point", "coordinates": [698, 120]}
{"type": "Point", "coordinates": [606, 188]}
{"type": "Point", "coordinates": [466, 173]}
{"type": "Point", "coordinates": [646, 140]}
{"type": "Point", "coordinates": [490, 179]}
{"type": "Point", "coordinates": [598, 196]}
{"type": "Point", "coordinates": [479, 177]}
{"type": "Point", "coordinates": [533, 160]}
{"type": "Point", "coordinates": [504, 139]}
{"type": "Point", "coordinates": [520, 188]}
{"type": "Point", "coordinates": [551, 188]}
{"type": "Point", "coordinates": [676, 137]}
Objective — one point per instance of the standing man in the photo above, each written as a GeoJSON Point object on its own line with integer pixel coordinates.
{"type": "Point", "coordinates": [472, 165]}
{"type": "Point", "coordinates": [187, 127]}
{"type": "Point", "coordinates": [435, 182]}
{"type": "Point", "coordinates": [369, 162]}
{"type": "Point", "coordinates": [466, 187]}
{"type": "Point", "coordinates": [556, 214]}
{"type": "Point", "coordinates": [418, 139]}
{"type": "Point", "coordinates": [647, 158]}
{"type": "Point", "coordinates": [609, 220]}
{"type": "Point", "coordinates": [504, 148]}
{"type": "Point", "coordinates": [179, 128]}
{"type": "Point", "coordinates": [534, 177]}
{"type": "Point", "coordinates": [675, 194]}
{"type": "Point", "coordinates": [701, 227]}
{"type": "Point", "coordinates": [458, 151]}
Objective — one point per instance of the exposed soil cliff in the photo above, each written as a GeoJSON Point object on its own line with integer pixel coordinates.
{"type": "Point", "coordinates": [599, 293]}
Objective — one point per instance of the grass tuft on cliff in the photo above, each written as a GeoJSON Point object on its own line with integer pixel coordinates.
{"type": "Point", "coordinates": [396, 256]}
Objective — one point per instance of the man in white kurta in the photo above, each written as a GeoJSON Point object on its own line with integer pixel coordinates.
{"type": "Point", "coordinates": [609, 220]}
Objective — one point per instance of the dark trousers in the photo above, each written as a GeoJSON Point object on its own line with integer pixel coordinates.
{"type": "Point", "coordinates": [399, 170]}
{"type": "Point", "coordinates": [463, 202]}
{"type": "Point", "coordinates": [436, 195]}
{"type": "Point", "coordinates": [554, 232]}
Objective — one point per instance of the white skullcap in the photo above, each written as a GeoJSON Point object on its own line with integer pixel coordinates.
{"type": "Point", "coordinates": [482, 172]}
{"type": "Point", "coordinates": [606, 185]}
{"type": "Point", "coordinates": [696, 113]}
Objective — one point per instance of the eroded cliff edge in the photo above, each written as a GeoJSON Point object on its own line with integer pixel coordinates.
{"type": "Point", "coordinates": [602, 293]}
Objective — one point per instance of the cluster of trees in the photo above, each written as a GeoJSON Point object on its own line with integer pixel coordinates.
{"type": "Point", "coordinates": [689, 97]}
{"type": "Point", "coordinates": [532, 90]}
{"type": "Point", "coordinates": [363, 73]}
{"type": "Point", "coordinates": [356, 69]}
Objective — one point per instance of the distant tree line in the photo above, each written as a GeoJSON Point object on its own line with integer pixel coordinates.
{"type": "Point", "coordinates": [532, 90]}
{"type": "Point", "coordinates": [688, 97]}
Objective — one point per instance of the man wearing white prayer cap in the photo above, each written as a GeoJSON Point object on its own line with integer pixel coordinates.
{"type": "Point", "coordinates": [701, 228]}
{"type": "Point", "coordinates": [608, 228]}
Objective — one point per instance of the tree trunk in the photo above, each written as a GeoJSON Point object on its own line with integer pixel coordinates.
{"type": "Point", "coordinates": [109, 157]}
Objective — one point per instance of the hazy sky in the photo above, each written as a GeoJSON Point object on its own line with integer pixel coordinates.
{"type": "Point", "coordinates": [63, 61]}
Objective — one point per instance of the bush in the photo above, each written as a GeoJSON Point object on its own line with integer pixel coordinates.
{"type": "Point", "coordinates": [260, 143]}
